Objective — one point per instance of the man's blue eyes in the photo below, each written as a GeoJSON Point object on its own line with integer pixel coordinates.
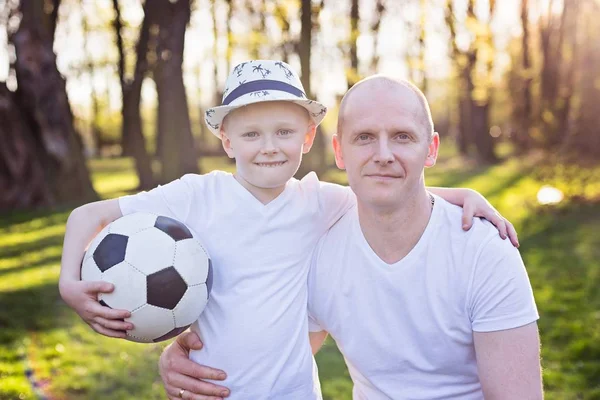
{"type": "Point", "coordinates": [366, 136]}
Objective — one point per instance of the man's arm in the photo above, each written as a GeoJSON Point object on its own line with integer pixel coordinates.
{"type": "Point", "coordinates": [316, 340]}
{"type": "Point", "coordinates": [508, 362]}
{"type": "Point", "coordinates": [178, 372]}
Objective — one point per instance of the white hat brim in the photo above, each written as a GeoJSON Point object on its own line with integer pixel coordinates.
{"type": "Point", "coordinates": [214, 116]}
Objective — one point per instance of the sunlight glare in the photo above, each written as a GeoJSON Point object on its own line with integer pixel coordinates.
{"type": "Point", "coordinates": [549, 195]}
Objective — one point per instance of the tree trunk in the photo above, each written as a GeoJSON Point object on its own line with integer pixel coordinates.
{"type": "Point", "coordinates": [41, 96]}
{"type": "Point", "coordinates": [22, 175]}
{"type": "Point", "coordinates": [379, 12]}
{"type": "Point", "coordinates": [133, 141]}
{"type": "Point", "coordinates": [522, 136]}
{"type": "Point", "coordinates": [177, 149]}
{"type": "Point", "coordinates": [352, 75]}
{"type": "Point", "coordinates": [315, 159]}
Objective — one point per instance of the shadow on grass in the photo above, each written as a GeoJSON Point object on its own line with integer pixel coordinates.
{"type": "Point", "coordinates": [561, 248]}
{"type": "Point", "coordinates": [42, 262]}
{"type": "Point", "coordinates": [30, 309]}
{"type": "Point", "coordinates": [22, 248]}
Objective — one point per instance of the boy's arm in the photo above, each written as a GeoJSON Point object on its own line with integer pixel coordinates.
{"type": "Point", "coordinates": [316, 340]}
{"type": "Point", "coordinates": [475, 205]}
{"type": "Point", "coordinates": [83, 224]}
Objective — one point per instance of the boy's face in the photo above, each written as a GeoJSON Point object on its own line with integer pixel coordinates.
{"type": "Point", "coordinates": [267, 141]}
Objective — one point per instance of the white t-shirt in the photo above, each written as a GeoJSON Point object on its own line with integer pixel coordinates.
{"type": "Point", "coordinates": [255, 324]}
{"type": "Point", "coordinates": [406, 329]}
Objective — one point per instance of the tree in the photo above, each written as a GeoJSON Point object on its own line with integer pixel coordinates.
{"type": "Point", "coordinates": [352, 74]}
{"type": "Point", "coordinates": [315, 159]}
{"type": "Point", "coordinates": [133, 141]}
{"type": "Point", "coordinates": [175, 143]}
{"type": "Point", "coordinates": [46, 165]}
{"type": "Point", "coordinates": [558, 46]}
{"type": "Point", "coordinates": [475, 84]}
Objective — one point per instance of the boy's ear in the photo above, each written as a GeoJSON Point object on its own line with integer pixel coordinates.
{"type": "Point", "coordinates": [309, 138]}
{"type": "Point", "coordinates": [432, 152]}
{"type": "Point", "coordinates": [337, 150]}
{"type": "Point", "coordinates": [226, 142]}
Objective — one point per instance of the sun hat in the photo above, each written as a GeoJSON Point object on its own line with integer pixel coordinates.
{"type": "Point", "coordinates": [259, 81]}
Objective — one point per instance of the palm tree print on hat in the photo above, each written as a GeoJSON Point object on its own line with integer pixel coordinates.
{"type": "Point", "coordinates": [321, 112]}
{"type": "Point", "coordinates": [214, 126]}
{"type": "Point", "coordinates": [263, 71]}
{"type": "Point", "coordinates": [210, 113]}
{"type": "Point", "coordinates": [240, 68]}
{"type": "Point", "coordinates": [261, 93]}
{"type": "Point", "coordinates": [286, 70]}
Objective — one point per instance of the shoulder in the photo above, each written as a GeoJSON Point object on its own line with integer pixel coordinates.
{"type": "Point", "coordinates": [311, 183]}
{"type": "Point", "coordinates": [337, 238]}
{"type": "Point", "coordinates": [479, 237]}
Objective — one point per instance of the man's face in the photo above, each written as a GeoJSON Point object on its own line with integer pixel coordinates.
{"type": "Point", "coordinates": [384, 145]}
{"type": "Point", "coordinates": [267, 141]}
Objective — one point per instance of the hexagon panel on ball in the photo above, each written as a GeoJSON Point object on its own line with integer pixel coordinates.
{"type": "Point", "coordinates": [133, 223]}
{"type": "Point", "coordinates": [191, 305]}
{"type": "Point", "coordinates": [191, 261]}
{"type": "Point", "coordinates": [150, 323]}
{"type": "Point", "coordinates": [130, 287]}
{"type": "Point", "coordinates": [150, 251]}
{"type": "Point", "coordinates": [90, 271]}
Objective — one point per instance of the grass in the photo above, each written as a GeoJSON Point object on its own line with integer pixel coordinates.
{"type": "Point", "coordinates": [560, 245]}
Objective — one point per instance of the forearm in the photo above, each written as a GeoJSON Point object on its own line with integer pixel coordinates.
{"type": "Point", "coordinates": [83, 224]}
{"type": "Point", "coordinates": [455, 196]}
{"type": "Point", "coordinates": [316, 340]}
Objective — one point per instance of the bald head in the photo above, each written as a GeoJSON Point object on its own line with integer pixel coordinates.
{"type": "Point", "coordinates": [370, 87]}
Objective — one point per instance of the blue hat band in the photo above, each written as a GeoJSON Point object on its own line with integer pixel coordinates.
{"type": "Point", "coordinates": [260, 85]}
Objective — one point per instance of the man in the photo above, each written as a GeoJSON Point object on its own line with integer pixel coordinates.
{"type": "Point", "coordinates": [419, 308]}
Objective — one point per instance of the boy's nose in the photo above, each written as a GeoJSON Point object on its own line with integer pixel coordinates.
{"type": "Point", "coordinates": [269, 147]}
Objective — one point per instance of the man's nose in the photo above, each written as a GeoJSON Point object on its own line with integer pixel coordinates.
{"type": "Point", "coordinates": [384, 154]}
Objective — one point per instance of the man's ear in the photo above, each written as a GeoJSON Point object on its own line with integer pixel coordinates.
{"type": "Point", "coordinates": [432, 152]}
{"type": "Point", "coordinates": [226, 142]}
{"type": "Point", "coordinates": [309, 138]}
{"type": "Point", "coordinates": [337, 150]}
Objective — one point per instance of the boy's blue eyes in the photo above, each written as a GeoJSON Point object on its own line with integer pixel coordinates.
{"type": "Point", "coordinates": [282, 132]}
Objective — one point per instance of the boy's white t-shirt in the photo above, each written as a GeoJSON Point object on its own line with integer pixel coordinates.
{"type": "Point", "coordinates": [406, 329]}
{"type": "Point", "coordinates": [255, 324]}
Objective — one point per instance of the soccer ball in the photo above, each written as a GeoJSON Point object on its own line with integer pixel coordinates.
{"type": "Point", "coordinates": [161, 274]}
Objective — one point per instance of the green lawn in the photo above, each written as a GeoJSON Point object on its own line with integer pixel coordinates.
{"type": "Point", "coordinates": [560, 245]}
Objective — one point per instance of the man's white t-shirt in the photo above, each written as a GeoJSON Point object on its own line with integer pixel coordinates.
{"type": "Point", "coordinates": [406, 329]}
{"type": "Point", "coordinates": [255, 324]}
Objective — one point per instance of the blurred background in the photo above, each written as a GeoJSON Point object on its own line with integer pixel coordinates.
{"type": "Point", "coordinates": [104, 98]}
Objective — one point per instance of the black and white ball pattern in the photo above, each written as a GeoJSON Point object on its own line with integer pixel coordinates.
{"type": "Point", "coordinates": [161, 273]}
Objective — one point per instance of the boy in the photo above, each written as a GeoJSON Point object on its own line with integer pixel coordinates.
{"type": "Point", "coordinates": [259, 226]}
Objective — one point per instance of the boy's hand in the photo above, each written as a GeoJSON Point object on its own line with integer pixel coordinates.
{"type": "Point", "coordinates": [182, 378]}
{"type": "Point", "coordinates": [475, 205]}
{"type": "Point", "coordinates": [82, 297]}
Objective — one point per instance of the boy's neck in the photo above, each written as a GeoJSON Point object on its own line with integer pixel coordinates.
{"type": "Point", "coordinates": [264, 195]}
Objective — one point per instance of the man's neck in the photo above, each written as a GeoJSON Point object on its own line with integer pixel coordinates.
{"type": "Point", "coordinates": [393, 233]}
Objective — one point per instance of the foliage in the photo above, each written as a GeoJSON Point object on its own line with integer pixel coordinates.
{"type": "Point", "coordinates": [560, 246]}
